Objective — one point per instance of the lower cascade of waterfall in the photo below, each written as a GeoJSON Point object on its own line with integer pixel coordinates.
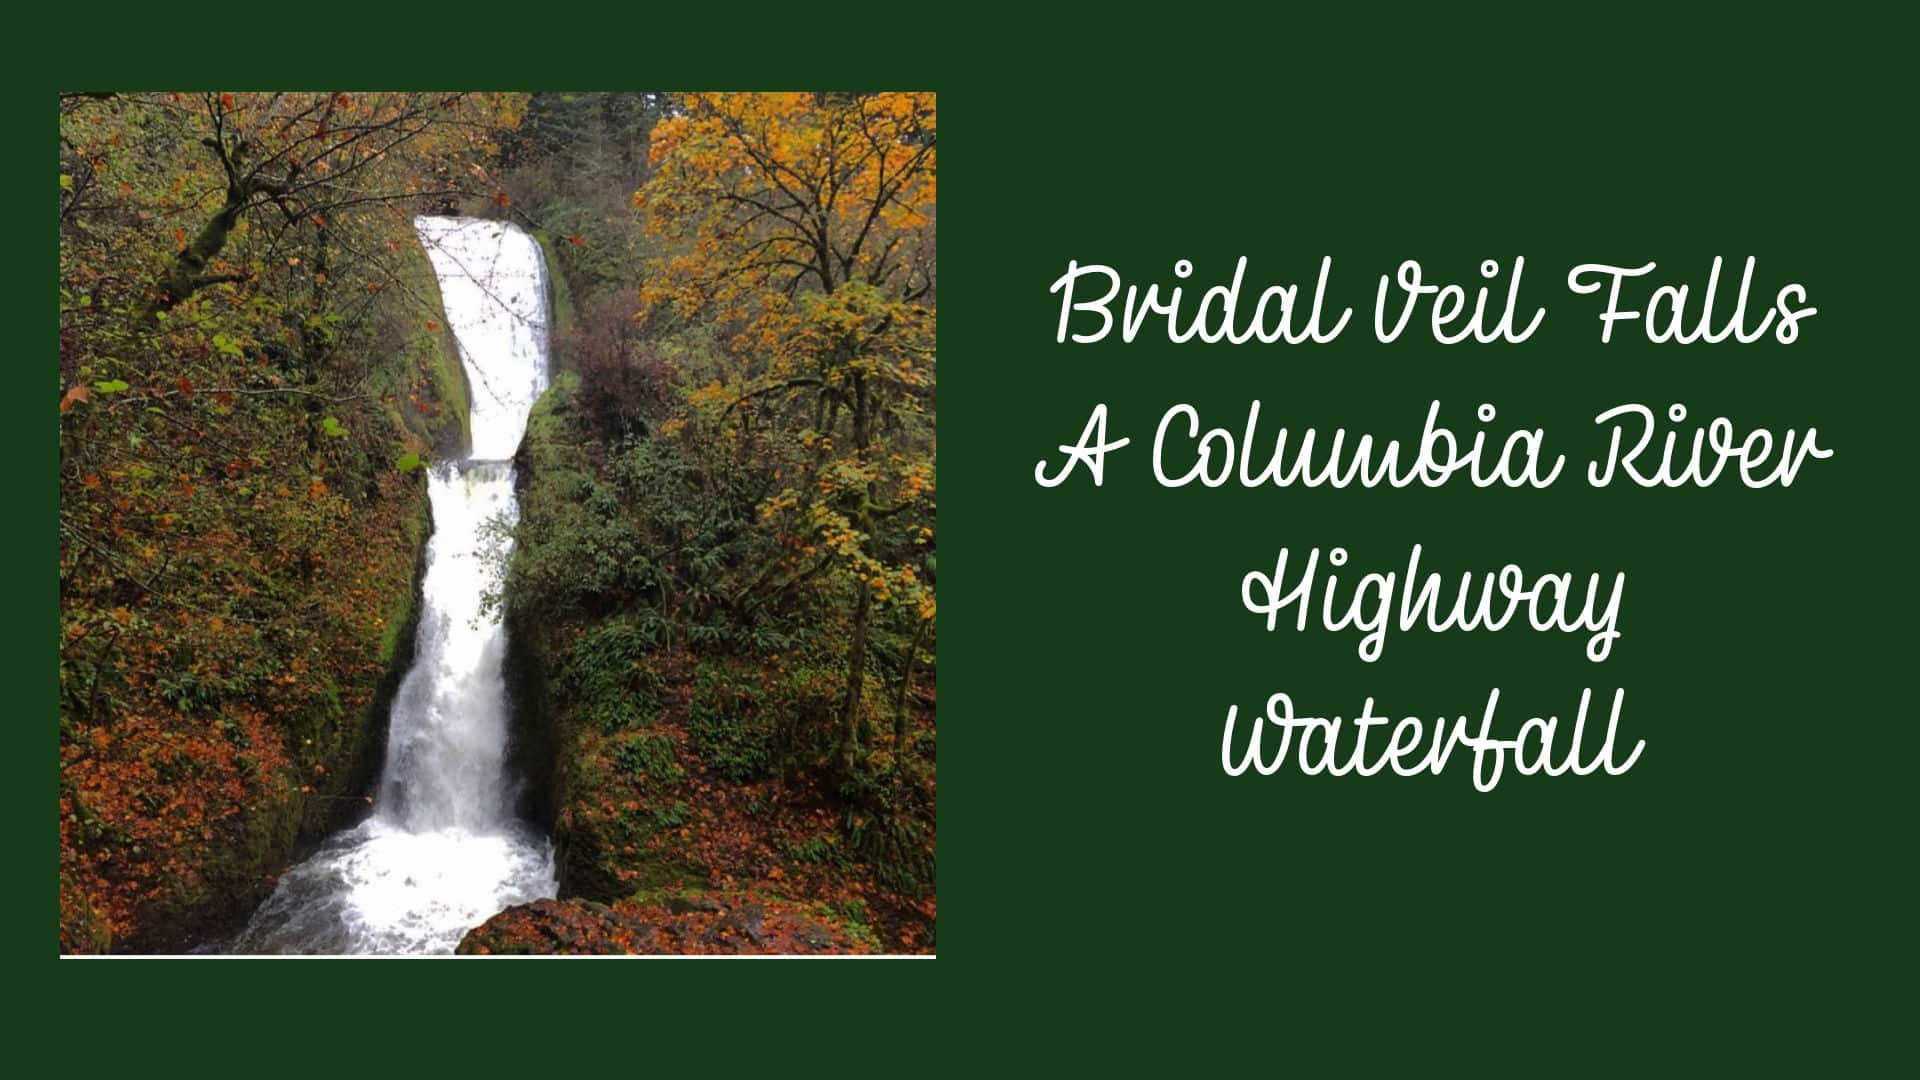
{"type": "Point", "coordinates": [443, 850]}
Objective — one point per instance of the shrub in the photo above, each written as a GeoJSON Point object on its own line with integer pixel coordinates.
{"type": "Point", "coordinates": [607, 675]}
{"type": "Point", "coordinates": [624, 380]}
{"type": "Point", "coordinates": [802, 705]}
{"type": "Point", "coordinates": [650, 757]}
{"type": "Point", "coordinates": [889, 820]}
{"type": "Point", "coordinates": [730, 728]}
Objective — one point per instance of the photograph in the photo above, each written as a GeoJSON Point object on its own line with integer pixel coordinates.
{"type": "Point", "coordinates": [497, 523]}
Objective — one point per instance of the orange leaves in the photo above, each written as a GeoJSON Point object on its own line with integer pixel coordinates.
{"type": "Point", "coordinates": [711, 394]}
{"type": "Point", "coordinates": [502, 199]}
{"type": "Point", "coordinates": [192, 741]}
{"type": "Point", "coordinates": [752, 191]}
{"type": "Point", "coordinates": [667, 137]}
{"type": "Point", "coordinates": [148, 797]}
{"type": "Point", "coordinates": [575, 240]}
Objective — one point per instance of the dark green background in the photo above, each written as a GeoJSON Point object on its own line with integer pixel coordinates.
{"type": "Point", "coordinates": [1742, 898]}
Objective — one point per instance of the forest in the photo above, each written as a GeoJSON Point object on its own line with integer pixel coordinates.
{"type": "Point", "coordinates": [697, 614]}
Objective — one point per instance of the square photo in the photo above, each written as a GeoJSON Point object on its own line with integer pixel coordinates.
{"type": "Point", "coordinates": [497, 523]}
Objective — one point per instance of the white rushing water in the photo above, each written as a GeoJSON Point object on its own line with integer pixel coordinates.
{"type": "Point", "coordinates": [443, 850]}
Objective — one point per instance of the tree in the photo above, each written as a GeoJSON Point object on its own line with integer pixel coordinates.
{"type": "Point", "coordinates": [801, 226]}
{"type": "Point", "coordinates": [301, 156]}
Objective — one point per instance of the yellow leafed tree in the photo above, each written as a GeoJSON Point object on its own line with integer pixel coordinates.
{"type": "Point", "coordinates": [801, 226]}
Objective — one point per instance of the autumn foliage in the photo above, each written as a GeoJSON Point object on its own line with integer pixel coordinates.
{"type": "Point", "coordinates": [721, 596]}
{"type": "Point", "coordinates": [730, 580]}
{"type": "Point", "coordinates": [249, 344]}
{"type": "Point", "coordinates": [801, 227]}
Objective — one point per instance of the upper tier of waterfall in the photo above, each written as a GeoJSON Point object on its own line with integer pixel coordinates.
{"type": "Point", "coordinates": [493, 284]}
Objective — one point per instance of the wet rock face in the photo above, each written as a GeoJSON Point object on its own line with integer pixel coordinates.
{"type": "Point", "coordinates": [681, 924]}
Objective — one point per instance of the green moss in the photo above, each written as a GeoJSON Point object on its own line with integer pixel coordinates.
{"type": "Point", "coordinates": [82, 930]}
{"type": "Point", "coordinates": [236, 875]}
{"type": "Point", "coordinates": [240, 867]}
{"type": "Point", "coordinates": [663, 894]}
{"type": "Point", "coordinates": [449, 377]}
{"type": "Point", "coordinates": [850, 916]}
{"type": "Point", "coordinates": [401, 604]}
{"type": "Point", "coordinates": [418, 360]}
{"type": "Point", "coordinates": [665, 873]}
{"type": "Point", "coordinates": [550, 436]}
{"type": "Point", "coordinates": [438, 353]}
{"type": "Point", "coordinates": [269, 835]}
{"type": "Point", "coordinates": [562, 296]}
{"type": "Point", "coordinates": [390, 636]}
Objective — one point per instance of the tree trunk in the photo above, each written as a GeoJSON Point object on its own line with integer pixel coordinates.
{"type": "Point", "coordinates": [189, 267]}
{"type": "Point", "coordinates": [906, 686]}
{"type": "Point", "coordinates": [856, 681]}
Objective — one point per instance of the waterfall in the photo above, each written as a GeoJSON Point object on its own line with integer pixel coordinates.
{"type": "Point", "coordinates": [443, 851]}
